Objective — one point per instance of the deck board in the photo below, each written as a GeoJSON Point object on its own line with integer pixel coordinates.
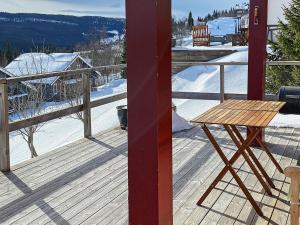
{"type": "Point", "coordinates": [85, 182]}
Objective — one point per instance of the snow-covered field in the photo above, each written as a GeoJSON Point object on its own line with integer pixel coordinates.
{"type": "Point", "coordinates": [194, 79]}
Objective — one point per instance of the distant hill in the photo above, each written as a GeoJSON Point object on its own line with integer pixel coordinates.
{"type": "Point", "coordinates": [24, 29]}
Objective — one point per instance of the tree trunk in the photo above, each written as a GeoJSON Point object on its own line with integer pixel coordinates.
{"type": "Point", "coordinates": [30, 143]}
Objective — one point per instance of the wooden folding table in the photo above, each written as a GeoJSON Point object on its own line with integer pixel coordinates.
{"type": "Point", "coordinates": [255, 115]}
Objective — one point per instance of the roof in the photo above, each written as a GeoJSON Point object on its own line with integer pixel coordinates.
{"type": "Point", "coordinates": [4, 71]}
{"type": "Point", "coordinates": [36, 63]}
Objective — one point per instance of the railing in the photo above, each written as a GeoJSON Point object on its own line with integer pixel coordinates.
{"type": "Point", "coordinates": [222, 95]}
{"type": "Point", "coordinates": [210, 96]}
{"type": "Point", "coordinates": [87, 104]}
{"type": "Point", "coordinates": [85, 107]}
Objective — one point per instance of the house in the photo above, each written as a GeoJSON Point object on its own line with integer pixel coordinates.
{"type": "Point", "coordinates": [17, 93]}
{"type": "Point", "coordinates": [56, 88]}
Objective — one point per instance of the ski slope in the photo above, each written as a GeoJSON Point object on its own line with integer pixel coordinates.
{"type": "Point", "coordinates": [222, 26]}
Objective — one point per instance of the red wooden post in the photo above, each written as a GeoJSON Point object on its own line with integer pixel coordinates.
{"type": "Point", "coordinates": [257, 49]}
{"type": "Point", "coordinates": [149, 111]}
{"type": "Point", "coordinates": [258, 18]}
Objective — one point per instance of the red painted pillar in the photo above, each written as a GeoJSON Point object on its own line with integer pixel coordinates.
{"type": "Point", "coordinates": [258, 18]}
{"type": "Point", "coordinates": [149, 111]}
{"type": "Point", "coordinates": [257, 49]}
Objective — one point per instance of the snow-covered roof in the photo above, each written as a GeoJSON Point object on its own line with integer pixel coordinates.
{"type": "Point", "coordinates": [36, 63]}
{"type": "Point", "coordinates": [4, 71]}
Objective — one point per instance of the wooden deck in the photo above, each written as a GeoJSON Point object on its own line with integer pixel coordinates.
{"type": "Point", "coordinates": [86, 182]}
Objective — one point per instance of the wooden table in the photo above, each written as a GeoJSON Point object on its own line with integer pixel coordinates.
{"type": "Point", "coordinates": [255, 115]}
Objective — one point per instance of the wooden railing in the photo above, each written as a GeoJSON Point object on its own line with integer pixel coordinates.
{"type": "Point", "coordinates": [85, 107]}
{"type": "Point", "coordinates": [222, 95]}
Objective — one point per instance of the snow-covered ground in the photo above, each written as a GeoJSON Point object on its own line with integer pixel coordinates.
{"type": "Point", "coordinates": [217, 27]}
{"type": "Point", "coordinates": [194, 79]}
{"type": "Point", "coordinates": [222, 26]}
{"type": "Point", "coordinates": [65, 130]}
{"type": "Point", "coordinates": [206, 79]}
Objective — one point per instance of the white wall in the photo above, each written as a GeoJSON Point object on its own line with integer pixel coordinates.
{"type": "Point", "coordinates": [275, 10]}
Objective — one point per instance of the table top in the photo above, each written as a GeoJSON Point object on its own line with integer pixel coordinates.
{"type": "Point", "coordinates": [241, 113]}
{"type": "Point", "coordinates": [253, 105]}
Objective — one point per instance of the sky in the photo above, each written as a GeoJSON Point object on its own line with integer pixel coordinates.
{"type": "Point", "coordinates": [109, 8]}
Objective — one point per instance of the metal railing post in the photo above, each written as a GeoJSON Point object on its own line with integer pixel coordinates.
{"type": "Point", "coordinates": [87, 105]}
{"type": "Point", "coordinates": [4, 128]}
{"type": "Point", "coordinates": [222, 83]}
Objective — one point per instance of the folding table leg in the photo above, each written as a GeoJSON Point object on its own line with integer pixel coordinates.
{"type": "Point", "coordinates": [267, 150]}
{"type": "Point", "coordinates": [253, 157]}
{"type": "Point", "coordinates": [252, 166]}
{"type": "Point", "coordinates": [229, 167]}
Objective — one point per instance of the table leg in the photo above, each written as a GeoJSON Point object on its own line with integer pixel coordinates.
{"type": "Point", "coordinates": [252, 166]}
{"type": "Point", "coordinates": [267, 150]}
{"type": "Point", "coordinates": [253, 157]}
{"type": "Point", "coordinates": [229, 167]}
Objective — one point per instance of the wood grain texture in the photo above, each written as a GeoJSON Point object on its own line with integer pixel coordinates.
{"type": "Point", "coordinates": [4, 129]}
{"type": "Point", "coordinates": [242, 113]}
{"type": "Point", "coordinates": [85, 182]}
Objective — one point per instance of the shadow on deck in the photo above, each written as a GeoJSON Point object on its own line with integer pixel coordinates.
{"type": "Point", "coordinates": [86, 182]}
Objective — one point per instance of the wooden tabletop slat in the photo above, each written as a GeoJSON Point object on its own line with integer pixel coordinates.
{"type": "Point", "coordinates": [252, 105]}
{"type": "Point", "coordinates": [250, 113]}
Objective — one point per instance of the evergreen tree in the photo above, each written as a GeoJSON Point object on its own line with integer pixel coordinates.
{"type": "Point", "coordinates": [9, 52]}
{"type": "Point", "coordinates": [190, 20]}
{"type": "Point", "coordinates": [286, 48]}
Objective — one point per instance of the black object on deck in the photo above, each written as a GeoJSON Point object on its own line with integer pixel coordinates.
{"type": "Point", "coordinates": [290, 95]}
{"type": "Point", "coordinates": [122, 115]}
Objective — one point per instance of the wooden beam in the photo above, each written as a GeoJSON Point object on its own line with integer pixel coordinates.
{"type": "Point", "coordinates": [222, 83]}
{"type": "Point", "coordinates": [87, 122]}
{"type": "Point", "coordinates": [13, 126]}
{"type": "Point", "coordinates": [149, 111]}
{"type": "Point", "coordinates": [4, 129]}
{"type": "Point", "coordinates": [257, 49]}
{"type": "Point", "coordinates": [258, 18]}
{"type": "Point", "coordinates": [216, 96]}
{"type": "Point", "coordinates": [109, 99]}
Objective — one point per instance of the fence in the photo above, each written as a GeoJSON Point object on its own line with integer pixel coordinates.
{"type": "Point", "coordinates": [6, 126]}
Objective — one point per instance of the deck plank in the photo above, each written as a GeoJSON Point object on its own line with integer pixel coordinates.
{"type": "Point", "coordinates": [85, 182]}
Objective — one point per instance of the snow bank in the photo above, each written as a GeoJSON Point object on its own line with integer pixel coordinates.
{"type": "Point", "coordinates": [179, 123]}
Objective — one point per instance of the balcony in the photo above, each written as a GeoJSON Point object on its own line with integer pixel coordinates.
{"type": "Point", "coordinates": [85, 182]}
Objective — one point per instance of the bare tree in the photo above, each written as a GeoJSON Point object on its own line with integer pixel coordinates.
{"type": "Point", "coordinates": [34, 102]}
{"type": "Point", "coordinates": [74, 96]}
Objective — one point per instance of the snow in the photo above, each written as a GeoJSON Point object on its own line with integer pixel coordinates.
{"type": "Point", "coordinates": [206, 79]}
{"type": "Point", "coordinates": [114, 32]}
{"type": "Point", "coordinates": [179, 123]}
{"type": "Point", "coordinates": [187, 44]}
{"type": "Point", "coordinates": [222, 26]}
{"type": "Point", "coordinates": [35, 63]}
{"type": "Point", "coordinates": [62, 131]}
{"type": "Point", "coordinates": [194, 79]}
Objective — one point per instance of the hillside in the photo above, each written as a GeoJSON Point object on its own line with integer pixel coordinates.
{"type": "Point", "coordinates": [22, 30]}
